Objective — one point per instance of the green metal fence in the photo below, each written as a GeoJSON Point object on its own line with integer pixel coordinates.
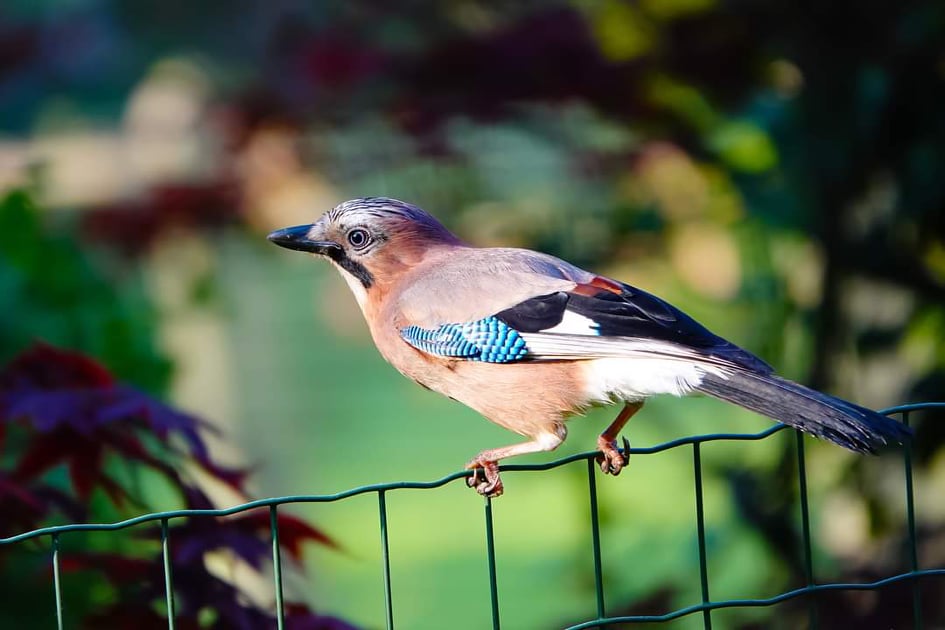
{"type": "Point", "coordinates": [703, 608]}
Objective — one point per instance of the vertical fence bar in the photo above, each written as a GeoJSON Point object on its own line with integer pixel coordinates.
{"type": "Point", "coordinates": [805, 529]}
{"type": "Point", "coordinates": [595, 538]}
{"type": "Point", "coordinates": [490, 552]}
{"type": "Point", "coordinates": [277, 566]}
{"type": "Point", "coordinates": [168, 575]}
{"type": "Point", "coordinates": [385, 555]}
{"type": "Point", "coordinates": [57, 584]}
{"type": "Point", "coordinates": [700, 524]}
{"type": "Point", "coordinates": [913, 543]}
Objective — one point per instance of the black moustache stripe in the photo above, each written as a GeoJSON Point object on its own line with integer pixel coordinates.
{"type": "Point", "coordinates": [356, 269]}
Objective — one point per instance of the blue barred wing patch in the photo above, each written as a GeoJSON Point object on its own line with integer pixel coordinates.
{"type": "Point", "coordinates": [489, 340]}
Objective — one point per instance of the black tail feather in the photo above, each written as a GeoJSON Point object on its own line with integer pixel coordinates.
{"type": "Point", "coordinates": [844, 423]}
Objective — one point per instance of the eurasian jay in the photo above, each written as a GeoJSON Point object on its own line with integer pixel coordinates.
{"type": "Point", "coordinates": [528, 340]}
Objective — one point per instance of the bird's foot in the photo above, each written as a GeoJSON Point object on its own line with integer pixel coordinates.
{"type": "Point", "coordinates": [611, 460]}
{"type": "Point", "coordinates": [488, 486]}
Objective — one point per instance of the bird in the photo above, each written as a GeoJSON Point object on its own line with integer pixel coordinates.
{"type": "Point", "coordinates": [529, 340]}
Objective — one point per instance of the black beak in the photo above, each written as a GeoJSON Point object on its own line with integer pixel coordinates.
{"type": "Point", "coordinates": [297, 238]}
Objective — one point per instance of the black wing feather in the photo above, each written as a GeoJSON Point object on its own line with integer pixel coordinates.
{"type": "Point", "coordinates": [536, 314]}
{"type": "Point", "coordinates": [632, 313]}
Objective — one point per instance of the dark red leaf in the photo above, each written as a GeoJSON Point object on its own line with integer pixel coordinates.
{"type": "Point", "coordinates": [338, 62]}
{"type": "Point", "coordinates": [12, 490]}
{"type": "Point", "coordinates": [134, 615]}
{"type": "Point", "coordinates": [116, 568]}
{"type": "Point", "coordinates": [47, 451]}
{"type": "Point", "coordinates": [233, 477]}
{"type": "Point", "coordinates": [74, 415]}
{"type": "Point", "coordinates": [82, 415]}
{"type": "Point", "coordinates": [22, 508]}
{"type": "Point", "coordinates": [85, 469]}
{"type": "Point", "coordinates": [128, 445]}
{"type": "Point", "coordinates": [113, 489]}
{"type": "Point", "coordinates": [45, 367]}
{"type": "Point", "coordinates": [293, 531]}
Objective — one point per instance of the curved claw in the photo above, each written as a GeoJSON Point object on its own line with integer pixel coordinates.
{"type": "Point", "coordinates": [612, 460]}
{"type": "Point", "coordinates": [473, 480]}
{"type": "Point", "coordinates": [491, 485]}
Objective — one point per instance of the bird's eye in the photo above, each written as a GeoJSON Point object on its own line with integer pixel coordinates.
{"type": "Point", "coordinates": [359, 238]}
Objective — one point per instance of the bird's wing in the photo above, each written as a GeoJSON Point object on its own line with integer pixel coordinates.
{"type": "Point", "coordinates": [488, 339]}
{"type": "Point", "coordinates": [596, 318]}
{"type": "Point", "coordinates": [471, 283]}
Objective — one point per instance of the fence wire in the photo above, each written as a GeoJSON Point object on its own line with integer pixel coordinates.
{"type": "Point", "coordinates": [705, 607]}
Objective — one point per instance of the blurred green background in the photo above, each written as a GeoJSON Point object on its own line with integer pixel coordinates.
{"type": "Point", "coordinates": [777, 170]}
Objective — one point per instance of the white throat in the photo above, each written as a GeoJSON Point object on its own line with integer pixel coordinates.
{"type": "Point", "coordinates": [360, 293]}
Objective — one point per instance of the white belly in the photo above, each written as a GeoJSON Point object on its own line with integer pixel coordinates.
{"type": "Point", "coordinates": [633, 379]}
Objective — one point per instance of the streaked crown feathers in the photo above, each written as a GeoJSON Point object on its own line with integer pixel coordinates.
{"type": "Point", "coordinates": [391, 213]}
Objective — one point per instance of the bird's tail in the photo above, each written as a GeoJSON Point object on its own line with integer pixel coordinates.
{"type": "Point", "coordinates": [851, 426]}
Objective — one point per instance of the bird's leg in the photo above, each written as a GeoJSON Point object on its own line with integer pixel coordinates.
{"type": "Point", "coordinates": [488, 461]}
{"type": "Point", "coordinates": [612, 460]}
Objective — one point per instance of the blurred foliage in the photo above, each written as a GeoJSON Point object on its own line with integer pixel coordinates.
{"type": "Point", "coordinates": [777, 169]}
{"type": "Point", "coordinates": [54, 292]}
{"type": "Point", "coordinates": [78, 446]}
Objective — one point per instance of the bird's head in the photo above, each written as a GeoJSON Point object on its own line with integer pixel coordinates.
{"type": "Point", "coordinates": [370, 240]}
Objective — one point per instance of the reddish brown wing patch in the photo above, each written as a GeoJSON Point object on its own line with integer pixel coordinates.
{"type": "Point", "coordinates": [594, 287]}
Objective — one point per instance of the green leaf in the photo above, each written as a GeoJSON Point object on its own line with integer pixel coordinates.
{"type": "Point", "coordinates": [744, 146]}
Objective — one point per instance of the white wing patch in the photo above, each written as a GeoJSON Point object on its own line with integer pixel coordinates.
{"type": "Point", "coordinates": [574, 324]}
{"type": "Point", "coordinates": [633, 379]}
{"type": "Point", "coordinates": [626, 368]}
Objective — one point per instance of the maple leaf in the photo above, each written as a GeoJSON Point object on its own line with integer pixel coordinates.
{"type": "Point", "coordinates": [80, 414]}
